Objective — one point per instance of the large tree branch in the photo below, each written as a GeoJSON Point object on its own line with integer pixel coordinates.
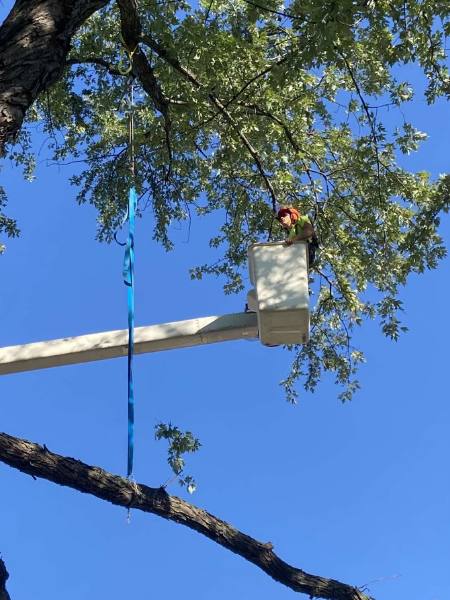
{"type": "Point", "coordinates": [38, 461]}
{"type": "Point", "coordinates": [34, 43]}
{"type": "Point", "coordinates": [3, 579]}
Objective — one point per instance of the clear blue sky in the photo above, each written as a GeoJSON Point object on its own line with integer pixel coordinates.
{"type": "Point", "coordinates": [359, 492]}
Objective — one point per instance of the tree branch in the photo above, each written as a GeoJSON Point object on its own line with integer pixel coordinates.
{"type": "Point", "coordinates": [3, 579]}
{"type": "Point", "coordinates": [277, 12]}
{"type": "Point", "coordinates": [38, 461]}
{"type": "Point", "coordinates": [255, 78]}
{"type": "Point", "coordinates": [170, 59]}
{"type": "Point", "coordinates": [265, 113]}
{"type": "Point", "coordinates": [249, 147]}
{"type": "Point", "coordinates": [369, 116]}
{"type": "Point", "coordinates": [131, 35]}
{"type": "Point", "coordinates": [189, 76]}
{"type": "Point", "coordinates": [80, 60]}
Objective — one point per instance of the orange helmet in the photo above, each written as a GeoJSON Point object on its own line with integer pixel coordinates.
{"type": "Point", "coordinates": [288, 210]}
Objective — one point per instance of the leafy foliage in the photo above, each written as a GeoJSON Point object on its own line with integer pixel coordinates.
{"type": "Point", "coordinates": [179, 443]}
{"type": "Point", "coordinates": [269, 105]}
{"type": "Point", "coordinates": [7, 224]}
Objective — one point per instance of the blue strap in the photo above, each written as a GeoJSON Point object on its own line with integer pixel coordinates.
{"type": "Point", "coordinates": [128, 277]}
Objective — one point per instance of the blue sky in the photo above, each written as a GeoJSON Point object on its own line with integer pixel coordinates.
{"type": "Point", "coordinates": [359, 492]}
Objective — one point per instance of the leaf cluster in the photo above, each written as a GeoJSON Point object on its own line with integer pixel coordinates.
{"type": "Point", "coordinates": [7, 224]}
{"type": "Point", "coordinates": [180, 443]}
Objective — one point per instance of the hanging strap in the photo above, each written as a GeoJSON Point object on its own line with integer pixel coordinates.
{"type": "Point", "coordinates": [128, 277]}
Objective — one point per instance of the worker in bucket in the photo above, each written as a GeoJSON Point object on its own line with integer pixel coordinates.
{"type": "Point", "coordinates": [298, 228]}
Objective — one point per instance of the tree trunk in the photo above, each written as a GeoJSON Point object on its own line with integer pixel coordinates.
{"type": "Point", "coordinates": [34, 43]}
{"type": "Point", "coordinates": [38, 461]}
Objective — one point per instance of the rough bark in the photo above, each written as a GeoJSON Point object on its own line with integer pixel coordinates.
{"type": "Point", "coordinates": [3, 579]}
{"type": "Point", "coordinates": [34, 43]}
{"type": "Point", "coordinates": [38, 461]}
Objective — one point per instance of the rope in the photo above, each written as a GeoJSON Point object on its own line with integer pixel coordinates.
{"type": "Point", "coordinates": [128, 277]}
{"type": "Point", "coordinates": [131, 133]}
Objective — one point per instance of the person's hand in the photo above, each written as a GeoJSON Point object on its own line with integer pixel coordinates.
{"type": "Point", "coordinates": [289, 242]}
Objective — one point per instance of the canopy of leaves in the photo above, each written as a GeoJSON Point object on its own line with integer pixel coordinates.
{"type": "Point", "coordinates": [257, 104]}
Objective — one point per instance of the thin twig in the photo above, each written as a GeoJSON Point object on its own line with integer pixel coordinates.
{"type": "Point", "coordinates": [100, 62]}
{"type": "Point", "coordinates": [188, 75]}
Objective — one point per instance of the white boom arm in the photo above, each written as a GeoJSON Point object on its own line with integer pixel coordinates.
{"type": "Point", "coordinates": [112, 344]}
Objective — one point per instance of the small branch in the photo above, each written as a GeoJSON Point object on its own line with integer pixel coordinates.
{"type": "Point", "coordinates": [38, 461]}
{"type": "Point", "coordinates": [189, 76]}
{"type": "Point", "coordinates": [3, 579]}
{"type": "Point", "coordinates": [284, 14]}
{"type": "Point", "coordinates": [368, 115]}
{"type": "Point", "coordinates": [208, 10]}
{"type": "Point", "coordinates": [256, 77]}
{"type": "Point", "coordinates": [170, 59]}
{"type": "Point", "coordinates": [246, 85]}
{"type": "Point", "coordinates": [265, 113]}
{"type": "Point", "coordinates": [80, 60]}
{"type": "Point", "coordinates": [249, 147]}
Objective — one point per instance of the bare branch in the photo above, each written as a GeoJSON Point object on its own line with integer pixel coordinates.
{"type": "Point", "coordinates": [208, 10]}
{"type": "Point", "coordinates": [38, 461]}
{"type": "Point", "coordinates": [80, 60]}
{"type": "Point", "coordinates": [3, 579]}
